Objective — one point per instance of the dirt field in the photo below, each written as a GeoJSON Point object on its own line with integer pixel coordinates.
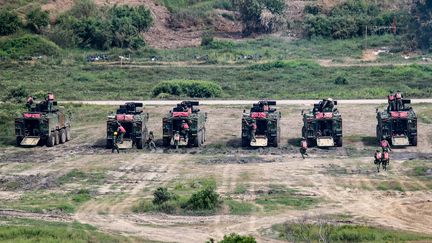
{"type": "Point", "coordinates": [343, 181]}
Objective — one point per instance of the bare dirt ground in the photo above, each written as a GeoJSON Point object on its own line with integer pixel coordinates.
{"type": "Point", "coordinates": [343, 180]}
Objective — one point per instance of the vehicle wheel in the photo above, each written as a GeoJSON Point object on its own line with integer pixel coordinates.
{"type": "Point", "coordinates": [51, 140]}
{"type": "Point", "coordinates": [18, 141]}
{"type": "Point", "coordinates": [275, 142]}
{"type": "Point", "coordinates": [311, 142]}
{"type": "Point", "coordinates": [339, 142]}
{"type": "Point", "coordinates": [57, 137]}
{"type": "Point", "coordinates": [414, 141]}
{"type": "Point", "coordinates": [166, 142]}
{"type": "Point", "coordinates": [197, 140]}
{"type": "Point", "coordinates": [68, 133]}
{"type": "Point", "coordinates": [109, 143]}
{"type": "Point", "coordinates": [62, 136]}
{"type": "Point", "coordinates": [140, 143]}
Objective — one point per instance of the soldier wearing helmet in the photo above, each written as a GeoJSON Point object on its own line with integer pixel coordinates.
{"type": "Point", "coordinates": [303, 148]}
{"type": "Point", "coordinates": [184, 129]}
{"type": "Point", "coordinates": [115, 144]}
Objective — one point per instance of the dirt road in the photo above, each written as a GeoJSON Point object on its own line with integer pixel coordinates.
{"type": "Point", "coordinates": [240, 102]}
{"type": "Point", "coordinates": [343, 181]}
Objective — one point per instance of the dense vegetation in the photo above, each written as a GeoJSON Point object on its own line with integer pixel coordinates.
{"type": "Point", "coordinates": [234, 238]}
{"type": "Point", "coordinates": [327, 232]}
{"type": "Point", "coordinates": [351, 19]}
{"type": "Point", "coordinates": [187, 88]}
{"type": "Point", "coordinates": [27, 230]}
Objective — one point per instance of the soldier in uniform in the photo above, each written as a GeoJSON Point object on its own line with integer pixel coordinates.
{"type": "Point", "coordinates": [252, 130]}
{"type": "Point", "coordinates": [303, 148]}
{"type": "Point", "coordinates": [184, 129]}
{"type": "Point", "coordinates": [385, 145]}
{"type": "Point", "coordinates": [399, 103]}
{"type": "Point", "coordinates": [121, 132]}
{"type": "Point", "coordinates": [29, 102]}
{"type": "Point", "coordinates": [50, 101]}
{"type": "Point", "coordinates": [378, 158]}
{"type": "Point", "coordinates": [115, 144]}
{"type": "Point", "coordinates": [150, 141]}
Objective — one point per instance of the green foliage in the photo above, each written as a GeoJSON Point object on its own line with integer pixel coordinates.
{"type": "Point", "coordinates": [207, 38]}
{"type": "Point", "coordinates": [102, 28]}
{"type": "Point", "coordinates": [240, 208]}
{"type": "Point", "coordinates": [421, 24]}
{"type": "Point", "coordinates": [421, 170]}
{"type": "Point", "coordinates": [251, 13]}
{"type": "Point", "coordinates": [341, 80]}
{"type": "Point", "coordinates": [343, 233]}
{"type": "Point", "coordinates": [9, 22]}
{"type": "Point", "coordinates": [16, 94]}
{"type": "Point", "coordinates": [236, 238]}
{"type": "Point", "coordinates": [206, 199]}
{"type": "Point", "coordinates": [189, 88]}
{"type": "Point", "coordinates": [279, 196]}
{"type": "Point", "coordinates": [37, 19]}
{"type": "Point", "coordinates": [28, 230]}
{"type": "Point", "coordinates": [162, 195]}
{"type": "Point", "coordinates": [28, 46]}
{"type": "Point", "coordinates": [285, 65]}
{"type": "Point", "coordinates": [8, 112]}
{"type": "Point", "coordinates": [350, 19]}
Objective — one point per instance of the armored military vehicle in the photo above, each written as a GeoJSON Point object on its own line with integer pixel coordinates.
{"type": "Point", "coordinates": [43, 124]}
{"type": "Point", "coordinates": [261, 125]}
{"type": "Point", "coordinates": [397, 124]}
{"type": "Point", "coordinates": [132, 117]}
{"type": "Point", "coordinates": [322, 126]}
{"type": "Point", "coordinates": [184, 125]}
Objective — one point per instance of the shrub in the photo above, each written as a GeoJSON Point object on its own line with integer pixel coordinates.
{"type": "Point", "coordinates": [37, 19]}
{"type": "Point", "coordinates": [251, 13]}
{"type": "Point", "coordinates": [161, 195]}
{"type": "Point", "coordinates": [207, 38]}
{"type": "Point", "coordinates": [189, 88]}
{"type": "Point", "coordinates": [205, 199]}
{"type": "Point", "coordinates": [28, 46]}
{"type": "Point", "coordinates": [16, 95]}
{"type": "Point", "coordinates": [236, 238]}
{"type": "Point", "coordinates": [340, 80]}
{"type": "Point", "coordinates": [9, 22]}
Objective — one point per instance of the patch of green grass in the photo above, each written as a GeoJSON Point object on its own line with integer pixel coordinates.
{"type": "Point", "coordinates": [344, 233]}
{"type": "Point", "coordinates": [29, 230]}
{"type": "Point", "coordinates": [240, 208]}
{"type": "Point", "coordinates": [240, 189]}
{"type": "Point", "coordinates": [41, 201]}
{"type": "Point", "coordinates": [390, 185]}
{"type": "Point", "coordinates": [279, 197]}
{"type": "Point", "coordinates": [76, 175]}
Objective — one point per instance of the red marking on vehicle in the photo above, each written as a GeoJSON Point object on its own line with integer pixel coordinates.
{"type": "Point", "coordinates": [386, 156]}
{"type": "Point", "coordinates": [180, 114]}
{"type": "Point", "coordinates": [397, 114]}
{"type": "Point", "coordinates": [124, 117]}
{"type": "Point", "coordinates": [258, 115]}
{"type": "Point", "coordinates": [324, 115]}
{"type": "Point", "coordinates": [32, 115]}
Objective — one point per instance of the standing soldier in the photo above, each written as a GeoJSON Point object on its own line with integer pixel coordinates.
{"type": "Point", "coordinates": [115, 144]}
{"type": "Point", "coordinates": [252, 130]}
{"type": "Point", "coordinates": [398, 97]}
{"type": "Point", "coordinates": [378, 157]}
{"type": "Point", "coordinates": [121, 132]}
{"type": "Point", "coordinates": [303, 148]}
{"type": "Point", "coordinates": [150, 141]}
{"type": "Point", "coordinates": [50, 101]}
{"type": "Point", "coordinates": [184, 129]}
{"type": "Point", "coordinates": [391, 103]}
{"type": "Point", "coordinates": [385, 145]}
{"type": "Point", "coordinates": [29, 102]}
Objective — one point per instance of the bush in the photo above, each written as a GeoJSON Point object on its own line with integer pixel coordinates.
{"type": "Point", "coordinates": [235, 238]}
{"type": "Point", "coordinates": [207, 38]}
{"type": "Point", "coordinates": [206, 199]}
{"type": "Point", "coordinates": [340, 80]}
{"type": "Point", "coordinates": [350, 19]}
{"type": "Point", "coordinates": [9, 22]}
{"type": "Point", "coordinates": [189, 88]}
{"type": "Point", "coordinates": [37, 19]}
{"type": "Point", "coordinates": [161, 195]}
{"type": "Point", "coordinates": [28, 46]}
{"type": "Point", "coordinates": [16, 95]}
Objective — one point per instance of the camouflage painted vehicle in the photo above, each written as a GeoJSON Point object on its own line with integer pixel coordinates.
{"type": "Point", "coordinates": [322, 126]}
{"type": "Point", "coordinates": [184, 113]}
{"type": "Point", "coordinates": [267, 121]}
{"type": "Point", "coordinates": [132, 117]}
{"type": "Point", "coordinates": [41, 126]}
{"type": "Point", "coordinates": [397, 124]}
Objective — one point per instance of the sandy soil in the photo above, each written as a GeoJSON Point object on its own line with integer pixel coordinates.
{"type": "Point", "coordinates": [344, 180]}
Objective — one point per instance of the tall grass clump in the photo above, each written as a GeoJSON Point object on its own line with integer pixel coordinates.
{"type": "Point", "coordinates": [188, 88]}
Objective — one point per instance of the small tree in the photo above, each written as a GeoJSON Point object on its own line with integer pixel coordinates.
{"type": "Point", "coordinates": [422, 23]}
{"type": "Point", "coordinates": [161, 195]}
{"type": "Point", "coordinates": [251, 12]}
{"type": "Point", "coordinates": [37, 19]}
{"type": "Point", "coordinates": [236, 238]}
{"type": "Point", "coordinates": [9, 22]}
